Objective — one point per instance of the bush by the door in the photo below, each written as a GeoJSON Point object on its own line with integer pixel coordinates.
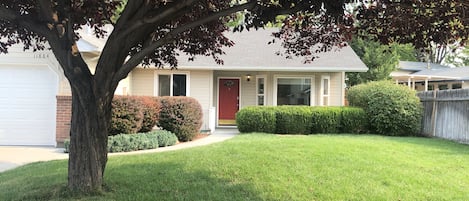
{"type": "Point", "coordinates": [181, 115]}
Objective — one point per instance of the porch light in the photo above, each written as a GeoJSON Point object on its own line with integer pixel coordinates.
{"type": "Point", "coordinates": [248, 77]}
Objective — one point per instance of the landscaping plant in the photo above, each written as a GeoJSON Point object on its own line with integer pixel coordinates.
{"type": "Point", "coordinates": [392, 109]}
{"type": "Point", "coordinates": [181, 115]}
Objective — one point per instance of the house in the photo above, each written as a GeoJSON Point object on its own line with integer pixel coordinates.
{"type": "Point", "coordinates": [252, 74]}
{"type": "Point", "coordinates": [423, 76]}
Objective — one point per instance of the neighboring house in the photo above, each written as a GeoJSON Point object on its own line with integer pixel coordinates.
{"type": "Point", "coordinates": [423, 76]}
{"type": "Point", "coordinates": [252, 74]}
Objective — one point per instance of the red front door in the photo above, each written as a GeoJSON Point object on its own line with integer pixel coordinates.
{"type": "Point", "coordinates": [228, 101]}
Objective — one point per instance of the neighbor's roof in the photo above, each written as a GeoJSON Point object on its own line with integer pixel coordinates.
{"type": "Point", "coordinates": [418, 66]}
{"type": "Point", "coordinates": [460, 73]}
{"type": "Point", "coordinates": [252, 52]}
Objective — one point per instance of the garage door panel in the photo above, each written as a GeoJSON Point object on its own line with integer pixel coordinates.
{"type": "Point", "coordinates": [27, 105]}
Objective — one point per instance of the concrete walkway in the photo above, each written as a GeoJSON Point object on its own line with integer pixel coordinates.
{"type": "Point", "coordinates": [15, 156]}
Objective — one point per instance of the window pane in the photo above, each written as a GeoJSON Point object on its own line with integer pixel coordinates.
{"type": "Point", "coordinates": [442, 86]}
{"type": "Point", "coordinates": [326, 86]}
{"type": "Point", "coordinates": [430, 88]}
{"type": "Point", "coordinates": [260, 100]}
{"type": "Point", "coordinates": [293, 91]}
{"type": "Point", "coordinates": [260, 86]}
{"type": "Point", "coordinates": [456, 86]}
{"type": "Point", "coordinates": [163, 85]}
{"type": "Point", "coordinates": [179, 85]}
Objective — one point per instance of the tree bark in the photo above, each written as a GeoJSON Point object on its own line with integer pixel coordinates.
{"type": "Point", "coordinates": [88, 138]}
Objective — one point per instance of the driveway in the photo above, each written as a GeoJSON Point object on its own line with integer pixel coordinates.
{"type": "Point", "coordinates": [14, 156]}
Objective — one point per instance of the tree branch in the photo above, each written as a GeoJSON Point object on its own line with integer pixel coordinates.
{"type": "Point", "coordinates": [22, 21]}
{"type": "Point", "coordinates": [137, 58]}
{"type": "Point", "coordinates": [168, 12]}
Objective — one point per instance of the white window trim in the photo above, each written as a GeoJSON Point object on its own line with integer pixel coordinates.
{"type": "Point", "coordinates": [156, 81]}
{"type": "Point", "coordinates": [257, 88]}
{"type": "Point", "coordinates": [328, 95]}
{"type": "Point", "coordinates": [313, 89]}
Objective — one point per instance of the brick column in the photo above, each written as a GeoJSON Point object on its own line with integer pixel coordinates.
{"type": "Point", "coordinates": [64, 116]}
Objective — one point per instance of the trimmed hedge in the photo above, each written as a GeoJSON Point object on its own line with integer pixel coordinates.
{"type": "Point", "coordinates": [302, 120]}
{"type": "Point", "coordinates": [132, 114]}
{"type": "Point", "coordinates": [392, 109]}
{"type": "Point", "coordinates": [151, 111]}
{"type": "Point", "coordinates": [293, 119]}
{"type": "Point", "coordinates": [327, 120]}
{"type": "Point", "coordinates": [182, 116]}
{"type": "Point", "coordinates": [256, 119]}
{"type": "Point", "coordinates": [127, 115]}
{"type": "Point", "coordinates": [354, 120]}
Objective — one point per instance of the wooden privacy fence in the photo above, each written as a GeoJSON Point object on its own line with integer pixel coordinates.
{"type": "Point", "coordinates": [446, 114]}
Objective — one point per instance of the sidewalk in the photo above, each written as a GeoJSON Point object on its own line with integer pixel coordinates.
{"type": "Point", "coordinates": [14, 156]}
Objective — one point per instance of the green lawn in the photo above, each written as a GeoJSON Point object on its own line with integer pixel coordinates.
{"type": "Point", "coordinates": [270, 167]}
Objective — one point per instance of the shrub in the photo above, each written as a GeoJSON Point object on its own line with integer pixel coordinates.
{"type": "Point", "coordinates": [182, 116]}
{"type": "Point", "coordinates": [301, 120]}
{"type": "Point", "coordinates": [127, 115]}
{"type": "Point", "coordinates": [392, 109]}
{"type": "Point", "coordinates": [165, 138]}
{"type": "Point", "coordinates": [138, 141]}
{"type": "Point", "coordinates": [150, 110]}
{"type": "Point", "coordinates": [326, 120]}
{"type": "Point", "coordinates": [293, 120]}
{"type": "Point", "coordinates": [67, 145]}
{"type": "Point", "coordinates": [256, 119]}
{"type": "Point", "coordinates": [132, 142]}
{"type": "Point", "coordinates": [354, 120]}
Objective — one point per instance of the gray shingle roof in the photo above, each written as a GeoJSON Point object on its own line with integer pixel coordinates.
{"type": "Point", "coordinates": [418, 66]}
{"type": "Point", "coordinates": [252, 52]}
{"type": "Point", "coordinates": [461, 73]}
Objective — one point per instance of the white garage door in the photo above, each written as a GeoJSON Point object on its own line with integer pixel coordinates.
{"type": "Point", "coordinates": [27, 105]}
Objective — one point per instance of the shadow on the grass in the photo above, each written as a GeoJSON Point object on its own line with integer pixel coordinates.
{"type": "Point", "coordinates": [174, 181]}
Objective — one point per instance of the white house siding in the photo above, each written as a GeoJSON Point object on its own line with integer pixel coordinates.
{"type": "Point", "coordinates": [201, 87]}
{"type": "Point", "coordinates": [248, 89]}
{"type": "Point", "coordinates": [142, 82]}
{"type": "Point", "coordinates": [337, 85]}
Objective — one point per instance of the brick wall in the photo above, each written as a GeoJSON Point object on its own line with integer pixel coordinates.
{"type": "Point", "coordinates": [64, 116]}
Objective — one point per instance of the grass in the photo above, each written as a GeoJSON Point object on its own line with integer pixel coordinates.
{"type": "Point", "coordinates": [270, 167]}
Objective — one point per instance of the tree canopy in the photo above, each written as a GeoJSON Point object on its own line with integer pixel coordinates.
{"type": "Point", "coordinates": [380, 59]}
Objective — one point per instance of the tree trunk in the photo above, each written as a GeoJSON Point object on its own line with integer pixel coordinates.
{"type": "Point", "coordinates": [88, 139]}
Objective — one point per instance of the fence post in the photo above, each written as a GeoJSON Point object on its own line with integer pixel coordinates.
{"type": "Point", "coordinates": [434, 113]}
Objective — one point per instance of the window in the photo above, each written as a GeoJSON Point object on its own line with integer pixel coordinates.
{"type": "Point", "coordinates": [430, 87]}
{"type": "Point", "coordinates": [442, 86]}
{"type": "Point", "coordinates": [456, 86]}
{"type": "Point", "coordinates": [260, 90]}
{"type": "Point", "coordinates": [325, 90]}
{"type": "Point", "coordinates": [293, 91]}
{"type": "Point", "coordinates": [172, 85]}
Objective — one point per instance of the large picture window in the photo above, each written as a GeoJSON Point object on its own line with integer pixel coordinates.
{"type": "Point", "coordinates": [172, 85]}
{"type": "Point", "coordinates": [293, 91]}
